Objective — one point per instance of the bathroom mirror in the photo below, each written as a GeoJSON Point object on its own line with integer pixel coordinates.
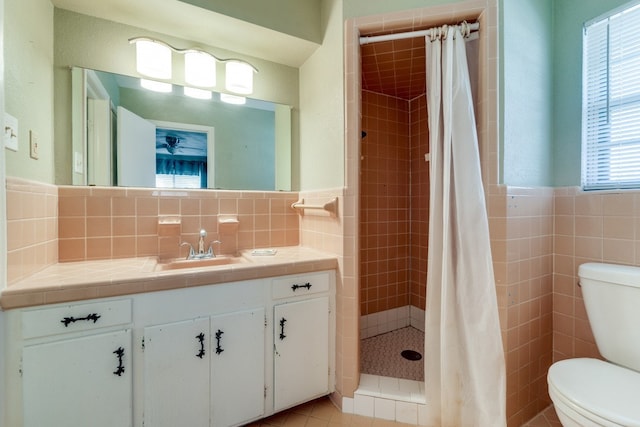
{"type": "Point", "coordinates": [123, 130]}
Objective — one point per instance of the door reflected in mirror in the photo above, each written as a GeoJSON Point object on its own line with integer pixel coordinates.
{"type": "Point", "coordinates": [138, 137]}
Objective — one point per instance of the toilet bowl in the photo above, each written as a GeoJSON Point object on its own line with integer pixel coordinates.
{"type": "Point", "coordinates": [591, 392]}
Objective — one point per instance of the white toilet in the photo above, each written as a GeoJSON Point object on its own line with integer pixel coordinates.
{"type": "Point", "coordinates": [592, 392]}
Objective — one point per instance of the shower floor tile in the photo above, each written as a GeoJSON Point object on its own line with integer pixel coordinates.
{"type": "Point", "coordinates": [380, 355]}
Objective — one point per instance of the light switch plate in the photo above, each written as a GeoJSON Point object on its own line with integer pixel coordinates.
{"type": "Point", "coordinates": [10, 132]}
{"type": "Point", "coordinates": [78, 162]}
{"type": "Point", "coordinates": [33, 145]}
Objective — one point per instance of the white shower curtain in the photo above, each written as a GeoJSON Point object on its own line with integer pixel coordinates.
{"type": "Point", "coordinates": [464, 361]}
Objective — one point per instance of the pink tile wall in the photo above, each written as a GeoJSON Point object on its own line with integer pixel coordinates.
{"type": "Point", "coordinates": [419, 202]}
{"type": "Point", "coordinates": [589, 227]}
{"type": "Point", "coordinates": [522, 247]}
{"type": "Point", "coordinates": [385, 244]}
{"type": "Point", "coordinates": [394, 203]}
{"type": "Point", "coordinates": [32, 227]}
{"type": "Point", "coordinates": [103, 223]}
{"type": "Point", "coordinates": [336, 234]}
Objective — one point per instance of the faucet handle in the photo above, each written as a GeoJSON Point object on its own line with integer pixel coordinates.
{"type": "Point", "coordinates": [192, 252]}
{"type": "Point", "coordinates": [210, 251]}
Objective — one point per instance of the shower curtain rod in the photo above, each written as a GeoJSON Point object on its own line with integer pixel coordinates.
{"type": "Point", "coordinates": [474, 26]}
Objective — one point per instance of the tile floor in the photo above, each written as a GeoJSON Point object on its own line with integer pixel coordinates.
{"type": "Point", "coordinates": [380, 354]}
{"type": "Point", "coordinates": [319, 413]}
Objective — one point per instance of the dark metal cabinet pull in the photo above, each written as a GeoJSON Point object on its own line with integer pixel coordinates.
{"type": "Point", "coordinates": [200, 338]}
{"type": "Point", "coordinates": [295, 286]}
{"type": "Point", "coordinates": [120, 369]}
{"type": "Point", "coordinates": [218, 338]}
{"type": "Point", "coordinates": [282, 322]}
{"type": "Point", "coordinates": [93, 316]}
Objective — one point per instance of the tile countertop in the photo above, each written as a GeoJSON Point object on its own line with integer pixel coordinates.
{"type": "Point", "coordinates": [76, 281]}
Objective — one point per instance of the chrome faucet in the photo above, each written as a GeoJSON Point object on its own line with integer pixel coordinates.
{"type": "Point", "coordinates": [203, 234]}
{"type": "Point", "coordinates": [201, 253]}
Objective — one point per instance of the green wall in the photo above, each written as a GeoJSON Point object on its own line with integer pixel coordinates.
{"type": "Point", "coordinates": [355, 8]}
{"type": "Point", "coordinates": [294, 17]}
{"type": "Point", "coordinates": [28, 85]}
{"type": "Point", "coordinates": [526, 92]}
{"type": "Point", "coordinates": [569, 16]}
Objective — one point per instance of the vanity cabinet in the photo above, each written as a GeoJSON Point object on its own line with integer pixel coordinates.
{"type": "Point", "coordinates": [205, 369]}
{"type": "Point", "coordinates": [76, 365]}
{"type": "Point", "coordinates": [237, 367]}
{"type": "Point", "coordinates": [176, 374]}
{"type": "Point", "coordinates": [301, 339]}
{"type": "Point", "coordinates": [220, 355]}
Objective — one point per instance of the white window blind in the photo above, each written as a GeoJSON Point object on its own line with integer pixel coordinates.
{"type": "Point", "coordinates": [611, 101]}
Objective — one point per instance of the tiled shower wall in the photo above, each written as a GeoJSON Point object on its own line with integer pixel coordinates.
{"type": "Point", "coordinates": [384, 204]}
{"type": "Point", "coordinates": [394, 203]}
{"type": "Point", "coordinates": [419, 201]}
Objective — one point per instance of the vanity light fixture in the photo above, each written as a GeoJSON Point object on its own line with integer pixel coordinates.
{"type": "Point", "coordinates": [239, 77]}
{"type": "Point", "coordinates": [233, 99]}
{"type": "Point", "coordinates": [199, 68]}
{"type": "Point", "coordinates": [156, 86]}
{"type": "Point", "coordinates": [153, 59]}
{"type": "Point", "coordinates": [197, 93]}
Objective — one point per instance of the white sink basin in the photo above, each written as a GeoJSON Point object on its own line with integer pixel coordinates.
{"type": "Point", "coordinates": [181, 263]}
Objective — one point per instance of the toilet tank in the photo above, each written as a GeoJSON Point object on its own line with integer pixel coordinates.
{"type": "Point", "coordinates": [612, 299]}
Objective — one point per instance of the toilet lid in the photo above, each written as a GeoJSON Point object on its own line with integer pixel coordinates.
{"type": "Point", "coordinates": [601, 388]}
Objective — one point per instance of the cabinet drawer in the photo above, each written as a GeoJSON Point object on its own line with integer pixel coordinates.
{"type": "Point", "coordinates": [300, 285]}
{"type": "Point", "coordinates": [63, 319]}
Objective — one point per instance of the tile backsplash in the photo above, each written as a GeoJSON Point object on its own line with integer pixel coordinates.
{"type": "Point", "coordinates": [32, 227]}
{"type": "Point", "coordinates": [103, 223]}
{"type": "Point", "coordinates": [48, 224]}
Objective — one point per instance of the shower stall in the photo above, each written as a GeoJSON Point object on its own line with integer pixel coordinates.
{"type": "Point", "coordinates": [394, 205]}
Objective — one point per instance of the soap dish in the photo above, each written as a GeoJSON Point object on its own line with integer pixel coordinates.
{"type": "Point", "coordinates": [264, 252]}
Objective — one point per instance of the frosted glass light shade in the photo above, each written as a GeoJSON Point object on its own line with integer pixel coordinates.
{"type": "Point", "coordinates": [199, 69]}
{"type": "Point", "coordinates": [156, 86]}
{"type": "Point", "coordinates": [153, 59]}
{"type": "Point", "coordinates": [239, 77]}
{"type": "Point", "coordinates": [197, 93]}
{"type": "Point", "coordinates": [232, 99]}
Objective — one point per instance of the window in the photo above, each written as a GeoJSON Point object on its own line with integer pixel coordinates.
{"type": "Point", "coordinates": [611, 101]}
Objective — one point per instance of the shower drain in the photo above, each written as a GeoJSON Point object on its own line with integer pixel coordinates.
{"type": "Point", "coordinates": [411, 355]}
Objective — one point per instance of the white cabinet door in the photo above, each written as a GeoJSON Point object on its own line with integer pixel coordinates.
{"type": "Point", "coordinates": [301, 356]}
{"type": "Point", "coordinates": [237, 364]}
{"type": "Point", "coordinates": [176, 374]}
{"type": "Point", "coordinates": [79, 382]}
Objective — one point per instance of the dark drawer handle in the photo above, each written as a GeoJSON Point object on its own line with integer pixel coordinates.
{"type": "Point", "coordinates": [90, 317]}
{"type": "Point", "coordinates": [282, 322]}
{"type": "Point", "coordinates": [296, 286]}
{"type": "Point", "coordinates": [219, 349]}
{"type": "Point", "coordinates": [200, 337]}
{"type": "Point", "coordinates": [120, 369]}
